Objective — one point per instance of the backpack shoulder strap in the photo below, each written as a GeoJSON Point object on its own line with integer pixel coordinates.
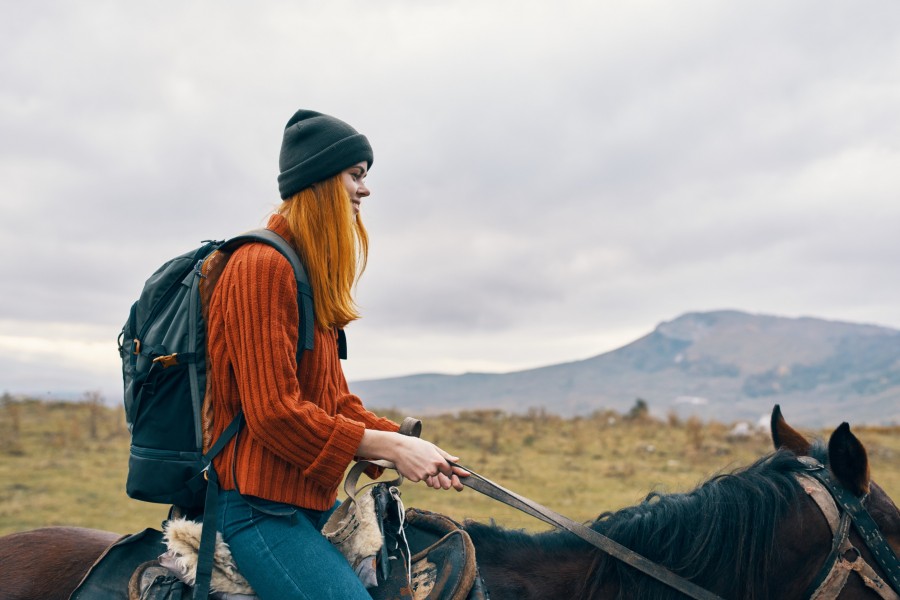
{"type": "Point", "coordinates": [304, 290]}
{"type": "Point", "coordinates": [205, 557]}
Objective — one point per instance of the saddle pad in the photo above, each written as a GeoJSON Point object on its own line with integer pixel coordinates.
{"type": "Point", "coordinates": [108, 578]}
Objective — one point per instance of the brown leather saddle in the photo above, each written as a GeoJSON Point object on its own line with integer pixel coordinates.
{"type": "Point", "coordinates": [438, 565]}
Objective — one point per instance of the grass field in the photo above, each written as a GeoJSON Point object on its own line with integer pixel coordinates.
{"type": "Point", "coordinates": [65, 463]}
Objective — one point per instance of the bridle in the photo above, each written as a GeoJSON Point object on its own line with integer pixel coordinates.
{"type": "Point", "coordinates": [841, 508]}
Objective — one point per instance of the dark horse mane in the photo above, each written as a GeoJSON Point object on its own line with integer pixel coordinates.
{"type": "Point", "coordinates": [721, 534]}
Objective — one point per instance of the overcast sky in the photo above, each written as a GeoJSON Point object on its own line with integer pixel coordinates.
{"type": "Point", "coordinates": [552, 179]}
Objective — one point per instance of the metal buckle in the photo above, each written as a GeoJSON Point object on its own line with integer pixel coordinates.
{"type": "Point", "coordinates": [810, 464]}
{"type": "Point", "coordinates": [169, 360]}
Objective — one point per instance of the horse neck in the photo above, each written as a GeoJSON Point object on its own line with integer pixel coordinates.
{"type": "Point", "coordinates": [516, 566]}
{"type": "Point", "coordinates": [751, 533]}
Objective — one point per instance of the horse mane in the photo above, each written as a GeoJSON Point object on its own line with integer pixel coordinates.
{"type": "Point", "coordinates": [721, 535]}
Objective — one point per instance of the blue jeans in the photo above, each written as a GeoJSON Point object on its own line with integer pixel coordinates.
{"type": "Point", "coordinates": [286, 557]}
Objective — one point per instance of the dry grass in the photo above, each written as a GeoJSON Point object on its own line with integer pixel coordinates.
{"type": "Point", "coordinates": [65, 463]}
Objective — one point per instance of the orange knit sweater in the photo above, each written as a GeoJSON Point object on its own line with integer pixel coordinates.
{"type": "Point", "coordinates": [303, 426]}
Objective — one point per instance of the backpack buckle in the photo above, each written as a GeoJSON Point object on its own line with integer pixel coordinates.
{"type": "Point", "coordinates": [137, 346]}
{"type": "Point", "coordinates": [169, 360]}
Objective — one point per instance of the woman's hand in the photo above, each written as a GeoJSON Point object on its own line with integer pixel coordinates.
{"type": "Point", "coordinates": [415, 459]}
{"type": "Point", "coordinates": [443, 482]}
{"type": "Point", "coordinates": [438, 472]}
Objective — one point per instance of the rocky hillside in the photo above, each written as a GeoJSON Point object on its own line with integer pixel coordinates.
{"type": "Point", "coordinates": [726, 365]}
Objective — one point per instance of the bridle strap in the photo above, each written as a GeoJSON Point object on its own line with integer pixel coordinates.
{"type": "Point", "coordinates": [596, 539]}
{"type": "Point", "coordinates": [816, 480]}
{"type": "Point", "coordinates": [833, 576]}
{"type": "Point", "coordinates": [865, 526]}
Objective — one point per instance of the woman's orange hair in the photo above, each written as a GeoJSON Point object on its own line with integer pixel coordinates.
{"type": "Point", "coordinates": [333, 245]}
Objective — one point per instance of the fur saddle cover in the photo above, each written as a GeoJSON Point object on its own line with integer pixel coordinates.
{"type": "Point", "coordinates": [356, 528]}
{"type": "Point", "coordinates": [182, 537]}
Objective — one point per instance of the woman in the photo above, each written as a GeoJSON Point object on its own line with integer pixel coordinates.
{"type": "Point", "coordinates": [303, 426]}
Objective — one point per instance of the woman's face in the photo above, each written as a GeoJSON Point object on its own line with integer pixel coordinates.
{"type": "Point", "coordinates": [354, 180]}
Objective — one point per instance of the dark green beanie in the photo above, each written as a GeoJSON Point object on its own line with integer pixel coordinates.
{"type": "Point", "coordinates": [316, 147]}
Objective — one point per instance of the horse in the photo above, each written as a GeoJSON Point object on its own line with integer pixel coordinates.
{"type": "Point", "coordinates": [752, 533]}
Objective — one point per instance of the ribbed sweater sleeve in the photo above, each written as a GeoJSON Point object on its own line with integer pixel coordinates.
{"type": "Point", "coordinates": [261, 335]}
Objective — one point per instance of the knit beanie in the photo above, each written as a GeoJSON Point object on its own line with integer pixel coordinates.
{"type": "Point", "coordinates": [315, 147]}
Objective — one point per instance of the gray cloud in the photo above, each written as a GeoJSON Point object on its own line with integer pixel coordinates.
{"type": "Point", "coordinates": [550, 180]}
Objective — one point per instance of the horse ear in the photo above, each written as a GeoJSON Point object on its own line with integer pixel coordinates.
{"type": "Point", "coordinates": [784, 436]}
{"type": "Point", "coordinates": [848, 460]}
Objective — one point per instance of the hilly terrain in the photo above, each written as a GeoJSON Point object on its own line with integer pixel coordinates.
{"type": "Point", "coordinates": [724, 365]}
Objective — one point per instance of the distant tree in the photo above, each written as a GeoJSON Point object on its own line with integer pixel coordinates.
{"type": "Point", "coordinates": [639, 412]}
{"type": "Point", "coordinates": [10, 440]}
{"type": "Point", "coordinates": [673, 419]}
{"type": "Point", "coordinates": [695, 432]}
{"type": "Point", "coordinates": [94, 402]}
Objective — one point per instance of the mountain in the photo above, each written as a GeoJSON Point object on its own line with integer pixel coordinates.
{"type": "Point", "coordinates": [724, 365]}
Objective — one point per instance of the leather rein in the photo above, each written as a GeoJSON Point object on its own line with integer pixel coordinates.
{"type": "Point", "coordinates": [841, 508]}
{"type": "Point", "coordinates": [596, 539]}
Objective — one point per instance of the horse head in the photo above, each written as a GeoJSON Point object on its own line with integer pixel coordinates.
{"type": "Point", "coordinates": [843, 470]}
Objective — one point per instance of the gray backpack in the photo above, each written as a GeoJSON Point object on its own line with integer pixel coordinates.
{"type": "Point", "coordinates": [163, 351]}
